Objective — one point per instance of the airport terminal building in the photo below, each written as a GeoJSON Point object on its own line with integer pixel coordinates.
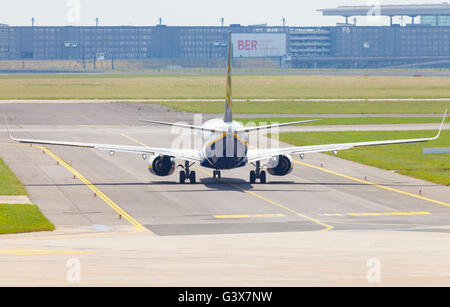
{"type": "Point", "coordinates": [423, 42]}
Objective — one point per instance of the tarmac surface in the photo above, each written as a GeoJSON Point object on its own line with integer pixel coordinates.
{"type": "Point", "coordinates": [318, 226]}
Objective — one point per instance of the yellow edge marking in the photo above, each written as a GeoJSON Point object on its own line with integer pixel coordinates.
{"type": "Point", "coordinates": [376, 214]}
{"type": "Point", "coordinates": [246, 216]}
{"type": "Point", "coordinates": [15, 144]}
{"type": "Point", "coordinates": [29, 252]}
{"type": "Point", "coordinates": [235, 216]}
{"type": "Point", "coordinates": [374, 184]}
{"type": "Point", "coordinates": [99, 193]}
{"type": "Point", "coordinates": [389, 213]}
{"type": "Point", "coordinates": [327, 227]}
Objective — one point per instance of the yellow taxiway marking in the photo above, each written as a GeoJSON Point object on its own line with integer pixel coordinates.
{"type": "Point", "coordinates": [15, 144]}
{"type": "Point", "coordinates": [99, 193]}
{"type": "Point", "coordinates": [133, 139]}
{"type": "Point", "coordinates": [377, 214]}
{"type": "Point", "coordinates": [31, 252]}
{"type": "Point", "coordinates": [103, 126]}
{"type": "Point", "coordinates": [326, 226]}
{"type": "Point", "coordinates": [374, 184]}
{"type": "Point", "coordinates": [247, 216]}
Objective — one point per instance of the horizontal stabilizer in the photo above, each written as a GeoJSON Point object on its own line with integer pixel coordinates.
{"type": "Point", "coordinates": [250, 129]}
{"type": "Point", "coordinates": [192, 127]}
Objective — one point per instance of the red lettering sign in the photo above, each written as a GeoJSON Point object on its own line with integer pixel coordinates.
{"type": "Point", "coordinates": [241, 45]}
{"type": "Point", "coordinates": [248, 45]}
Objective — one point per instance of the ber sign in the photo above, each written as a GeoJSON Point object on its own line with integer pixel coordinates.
{"type": "Point", "coordinates": [258, 44]}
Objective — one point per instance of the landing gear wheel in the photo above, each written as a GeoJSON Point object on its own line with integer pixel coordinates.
{"type": "Point", "coordinates": [252, 177]}
{"type": "Point", "coordinates": [192, 178]}
{"type": "Point", "coordinates": [182, 177]}
{"type": "Point", "coordinates": [262, 177]}
{"type": "Point", "coordinates": [217, 174]}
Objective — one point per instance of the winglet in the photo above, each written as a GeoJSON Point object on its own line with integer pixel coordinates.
{"type": "Point", "coordinates": [442, 125]}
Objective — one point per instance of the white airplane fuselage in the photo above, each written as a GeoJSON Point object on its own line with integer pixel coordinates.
{"type": "Point", "coordinates": [225, 150]}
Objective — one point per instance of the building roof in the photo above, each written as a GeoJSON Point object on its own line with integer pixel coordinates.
{"type": "Point", "coordinates": [441, 9]}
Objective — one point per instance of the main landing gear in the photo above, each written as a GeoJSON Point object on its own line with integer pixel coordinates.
{"type": "Point", "coordinates": [187, 174]}
{"type": "Point", "coordinates": [258, 174]}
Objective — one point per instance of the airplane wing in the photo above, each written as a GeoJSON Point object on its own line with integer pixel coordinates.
{"type": "Point", "coordinates": [264, 154]}
{"type": "Point", "coordinates": [187, 155]}
{"type": "Point", "coordinates": [183, 154]}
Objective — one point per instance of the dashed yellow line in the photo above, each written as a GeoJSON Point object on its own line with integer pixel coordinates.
{"type": "Point", "coordinates": [103, 126]}
{"type": "Point", "coordinates": [376, 214]}
{"type": "Point", "coordinates": [98, 192]}
{"type": "Point", "coordinates": [247, 216]}
{"type": "Point", "coordinates": [374, 184]}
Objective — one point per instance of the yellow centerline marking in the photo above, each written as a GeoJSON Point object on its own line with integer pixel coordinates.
{"type": "Point", "coordinates": [376, 214]}
{"type": "Point", "coordinates": [374, 184]}
{"type": "Point", "coordinates": [15, 144]}
{"type": "Point", "coordinates": [98, 192]}
{"type": "Point", "coordinates": [103, 126]}
{"type": "Point", "coordinates": [133, 139]}
{"type": "Point", "coordinates": [247, 216]}
{"type": "Point", "coordinates": [33, 252]}
{"type": "Point", "coordinates": [326, 226]}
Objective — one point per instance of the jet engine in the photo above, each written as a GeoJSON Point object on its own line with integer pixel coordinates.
{"type": "Point", "coordinates": [161, 165]}
{"type": "Point", "coordinates": [280, 166]}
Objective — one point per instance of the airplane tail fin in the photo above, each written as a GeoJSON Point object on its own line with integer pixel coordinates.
{"type": "Point", "coordinates": [228, 117]}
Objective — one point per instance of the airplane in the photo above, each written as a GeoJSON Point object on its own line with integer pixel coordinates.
{"type": "Point", "coordinates": [225, 146]}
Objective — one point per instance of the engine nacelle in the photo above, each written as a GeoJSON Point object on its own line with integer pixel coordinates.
{"type": "Point", "coordinates": [161, 165]}
{"type": "Point", "coordinates": [280, 166]}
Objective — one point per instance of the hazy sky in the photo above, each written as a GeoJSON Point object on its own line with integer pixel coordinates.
{"type": "Point", "coordinates": [179, 12]}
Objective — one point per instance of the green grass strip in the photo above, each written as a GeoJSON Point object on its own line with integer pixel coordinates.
{"type": "Point", "coordinates": [342, 121]}
{"type": "Point", "coordinates": [405, 159]}
{"type": "Point", "coordinates": [22, 218]}
{"type": "Point", "coordinates": [9, 184]}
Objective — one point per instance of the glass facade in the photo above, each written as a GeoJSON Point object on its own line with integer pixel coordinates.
{"type": "Point", "coordinates": [305, 45]}
{"type": "Point", "coordinates": [435, 20]}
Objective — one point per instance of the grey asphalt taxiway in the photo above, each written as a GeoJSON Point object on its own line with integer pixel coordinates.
{"type": "Point", "coordinates": [88, 192]}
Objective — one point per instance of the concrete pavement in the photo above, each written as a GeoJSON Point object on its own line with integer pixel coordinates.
{"type": "Point", "coordinates": [318, 226]}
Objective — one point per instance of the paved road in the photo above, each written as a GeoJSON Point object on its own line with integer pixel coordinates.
{"type": "Point", "coordinates": [324, 195]}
